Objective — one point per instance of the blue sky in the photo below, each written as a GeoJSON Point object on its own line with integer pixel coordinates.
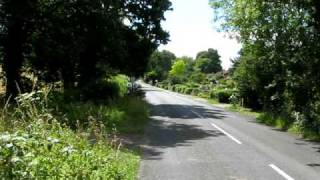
{"type": "Point", "coordinates": [192, 30]}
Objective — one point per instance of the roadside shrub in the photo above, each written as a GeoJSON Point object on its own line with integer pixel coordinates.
{"type": "Point", "coordinates": [180, 88]}
{"type": "Point", "coordinates": [204, 94]}
{"type": "Point", "coordinates": [113, 87]}
{"type": "Point", "coordinates": [222, 95]}
{"type": "Point", "coordinates": [122, 82]}
{"type": "Point", "coordinates": [195, 91]}
{"type": "Point", "coordinates": [193, 85]}
{"type": "Point", "coordinates": [171, 87]}
{"type": "Point", "coordinates": [274, 120]}
{"type": "Point", "coordinates": [188, 91]}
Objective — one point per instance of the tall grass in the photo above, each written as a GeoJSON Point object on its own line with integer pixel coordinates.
{"type": "Point", "coordinates": [45, 139]}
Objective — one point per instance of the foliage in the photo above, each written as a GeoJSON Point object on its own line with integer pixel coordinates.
{"type": "Point", "coordinates": [34, 145]}
{"type": "Point", "coordinates": [222, 95]}
{"type": "Point", "coordinates": [122, 115]}
{"type": "Point", "coordinates": [151, 76]}
{"type": "Point", "coordinates": [208, 61]}
{"type": "Point", "coordinates": [279, 64]}
{"type": "Point", "coordinates": [77, 42]}
{"type": "Point", "coordinates": [160, 64]}
{"type": "Point", "coordinates": [274, 120]}
{"type": "Point", "coordinates": [112, 87]}
{"type": "Point", "coordinates": [177, 71]}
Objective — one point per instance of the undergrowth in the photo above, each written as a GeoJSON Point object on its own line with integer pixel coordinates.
{"type": "Point", "coordinates": [40, 139]}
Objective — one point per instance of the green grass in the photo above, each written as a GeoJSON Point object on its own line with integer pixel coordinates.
{"type": "Point", "coordinates": [44, 139]}
{"type": "Point", "coordinates": [274, 120]}
{"type": "Point", "coordinates": [243, 110]}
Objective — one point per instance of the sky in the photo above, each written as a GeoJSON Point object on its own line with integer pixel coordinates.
{"type": "Point", "coordinates": [191, 29]}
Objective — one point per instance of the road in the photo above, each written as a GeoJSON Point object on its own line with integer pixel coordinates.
{"type": "Point", "coordinates": [191, 140]}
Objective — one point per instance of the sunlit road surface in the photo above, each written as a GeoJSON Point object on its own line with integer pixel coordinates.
{"type": "Point", "coordinates": [191, 140]}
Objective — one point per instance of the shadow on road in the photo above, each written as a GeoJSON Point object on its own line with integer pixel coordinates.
{"type": "Point", "coordinates": [162, 134]}
{"type": "Point", "coordinates": [185, 111]}
{"type": "Point", "coordinates": [315, 145]}
{"type": "Point", "coordinates": [172, 126]}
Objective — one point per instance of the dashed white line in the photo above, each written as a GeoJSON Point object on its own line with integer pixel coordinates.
{"type": "Point", "coordinates": [197, 114]}
{"type": "Point", "coordinates": [220, 129]}
{"type": "Point", "coordinates": [282, 173]}
{"type": "Point", "coordinates": [224, 132]}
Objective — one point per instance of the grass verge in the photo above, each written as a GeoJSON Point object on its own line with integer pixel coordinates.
{"type": "Point", "coordinates": [43, 138]}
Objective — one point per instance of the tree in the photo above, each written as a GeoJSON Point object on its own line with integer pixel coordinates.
{"type": "Point", "coordinates": [279, 62]}
{"type": "Point", "coordinates": [190, 63]}
{"type": "Point", "coordinates": [160, 63]}
{"type": "Point", "coordinates": [15, 18]}
{"type": "Point", "coordinates": [177, 72]}
{"type": "Point", "coordinates": [208, 61]}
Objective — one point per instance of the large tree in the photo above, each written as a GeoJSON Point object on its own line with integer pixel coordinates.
{"type": "Point", "coordinates": [160, 63]}
{"type": "Point", "coordinates": [208, 61]}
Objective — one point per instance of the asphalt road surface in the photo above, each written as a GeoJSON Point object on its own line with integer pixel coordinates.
{"type": "Point", "coordinates": [191, 140]}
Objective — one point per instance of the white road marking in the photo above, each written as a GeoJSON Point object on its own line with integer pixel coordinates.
{"type": "Point", "coordinates": [282, 173]}
{"type": "Point", "coordinates": [197, 114]}
{"type": "Point", "coordinates": [220, 129]}
{"type": "Point", "coordinates": [224, 132]}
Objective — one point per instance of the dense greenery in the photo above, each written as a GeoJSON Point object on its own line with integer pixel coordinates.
{"type": "Point", "coordinates": [44, 136]}
{"type": "Point", "coordinates": [37, 143]}
{"type": "Point", "coordinates": [159, 65]}
{"type": "Point", "coordinates": [79, 49]}
{"type": "Point", "coordinates": [208, 61]}
{"type": "Point", "coordinates": [278, 69]}
{"type": "Point", "coordinates": [200, 77]}
{"type": "Point", "coordinates": [78, 42]}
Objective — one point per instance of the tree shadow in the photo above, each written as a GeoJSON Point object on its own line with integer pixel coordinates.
{"type": "Point", "coordinates": [163, 134]}
{"type": "Point", "coordinates": [305, 142]}
{"type": "Point", "coordinates": [173, 125]}
{"type": "Point", "coordinates": [185, 111]}
{"type": "Point", "coordinates": [314, 144]}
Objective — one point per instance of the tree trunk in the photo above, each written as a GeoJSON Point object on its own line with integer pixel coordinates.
{"type": "Point", "coordinates": [13, 57]}
{"type": "Point", "coordinates": [89, 59]}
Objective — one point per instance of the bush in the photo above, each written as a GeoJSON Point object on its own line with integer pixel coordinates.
{"type": "Point", "coordinates": [188, 91]}
{"type": "Point", "coordinates": [180, 88]}
{"type": "Point", "coordinates": [195, 91]}
{"type": "Point", "coordinates": [274, 120]}
{"type": "Point", "coordinates": [114, 87]}
{"type": "Point", "coordinates": [204, 95]}
{"type": "Point", "coordinates": [222, 95]}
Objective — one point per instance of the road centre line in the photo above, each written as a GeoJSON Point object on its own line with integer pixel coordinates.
{"type": "Point", "coordinates": [282, 173]}
{"type": "Point", "coordinates": [220, 129]}
{"type": "Point", "coordinates": [197, 114]}
{"type": "Point", "coordinates": [229, 135]}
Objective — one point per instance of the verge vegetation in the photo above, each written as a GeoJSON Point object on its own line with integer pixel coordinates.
{"type": "Point", "coordinates": [42, 136]}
